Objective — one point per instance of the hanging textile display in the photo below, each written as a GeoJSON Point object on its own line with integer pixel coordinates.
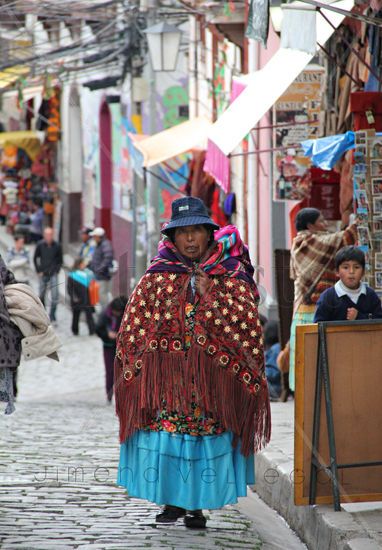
{"type": "Point", "coordinates": [298, 30]}
{"type": "Point", "coordinates": [258, 21]}
{"type": "Point", "coordinates": [53, 130]}
{"type": "Point", "coordinates": [296, 118]}
{"type": "Point", "coordinates": [327, 151]}
{"type": "Point", "coordinates": [367, 110]}
{"type": "Point", "coordinates": [367, 183]}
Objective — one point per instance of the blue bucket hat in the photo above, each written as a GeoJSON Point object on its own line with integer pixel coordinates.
{"type": "Point", "coordinates": [189, 211]}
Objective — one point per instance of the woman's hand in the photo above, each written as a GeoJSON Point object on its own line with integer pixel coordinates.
{"type": "Point", "coordinates": [202, 282]}
{"type": "Point", "coordinates": [351, 314]}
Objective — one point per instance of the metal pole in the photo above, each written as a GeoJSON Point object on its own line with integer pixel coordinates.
{"type": "Point", "coordinates": [329, 416]}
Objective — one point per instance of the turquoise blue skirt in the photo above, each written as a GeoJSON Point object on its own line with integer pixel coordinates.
{"type": "Point", "coordinates": [192, 472]}
{"type": "Point", "coordinates": [299, 318]}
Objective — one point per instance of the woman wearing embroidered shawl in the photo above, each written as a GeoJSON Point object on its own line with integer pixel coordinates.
{"type": "Point", "coordinates": [312, 267]}
{"type": "Point", "coordinates": [191, 393]}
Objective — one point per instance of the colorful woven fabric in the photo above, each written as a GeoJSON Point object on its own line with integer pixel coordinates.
{"type": "Point", "coordinates": [219, 368]}
{"type": "Point", "coordinates": [303, 316]}
{"type": "Point", "coordinates": [312, 262]}
{"type": "Point", "coordinates": [228, 256]}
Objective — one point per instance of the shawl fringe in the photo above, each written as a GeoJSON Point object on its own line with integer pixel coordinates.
{"type": "Point", "coordinates": [173, 377]}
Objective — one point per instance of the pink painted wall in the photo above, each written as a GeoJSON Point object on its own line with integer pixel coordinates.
{"type": "Point", "coordinates": [106, 167]}
{"type": "Point", "coordinates": [123, 252]}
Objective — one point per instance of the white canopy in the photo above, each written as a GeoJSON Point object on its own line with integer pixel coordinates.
{"type": "Point", "coordinates": [267, 85]}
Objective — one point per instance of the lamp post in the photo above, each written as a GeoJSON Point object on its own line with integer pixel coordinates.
{"type": "Point", "coordinates": [163, 42]}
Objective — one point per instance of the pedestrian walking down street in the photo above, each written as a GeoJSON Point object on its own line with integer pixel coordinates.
{"type": "Point", "coordinates": [102, 263]}
{"type": "Point", "coordinates": [190, 386]}
{"type": "Point", "coordinates": [37, 221]}
{"type": "Point", "coordinates": [27, 313]}
{"type": "Point", "coordinates": [272, 351]}
{"type": "Point", "coordinates": [87, 247]}
{"type": "Point", "coordinates": [48, 262]}
{"type": "Point", "coordinates": [313, 269]}
{"type": "Point", "coordinates": [18, 260]}
{"type": "Point", "coordinates": [79, 279]}
{"type": "Point", "coordinates": [10, 344]}
{"type": "Point", "coordinates": [107, 329]}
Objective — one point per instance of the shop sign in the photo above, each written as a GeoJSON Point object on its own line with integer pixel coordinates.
{"type": "Point", "coordinates": [297, 117]}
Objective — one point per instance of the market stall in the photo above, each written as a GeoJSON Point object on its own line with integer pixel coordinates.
{"type": "Point", "coordinates": [28, 188]}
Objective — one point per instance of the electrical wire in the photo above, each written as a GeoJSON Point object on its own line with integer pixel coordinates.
{"type": "Point", "coordinates": [58, 51]}
{"type": "Point", "coordinates": [99, 30]}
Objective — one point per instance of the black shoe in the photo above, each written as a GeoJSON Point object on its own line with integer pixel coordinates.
{"type": "Point", "coordinates": [170, 514]}
{"type": "Point", "coordinates": [194, 519]}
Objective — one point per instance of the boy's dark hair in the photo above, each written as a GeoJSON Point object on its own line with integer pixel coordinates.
{"type": "Point", "coordinates": [263, 320]}
{"type": "Point", "coordinates": [119, 303]}
{"type": "Point", "coordinates": [271, 333]}
{"type": "Point", "coordinates": [76, 264]}
{"type": "Point", "coordinates": [305, 217]}
{"type": "Point", "coordinates": [349, 253]}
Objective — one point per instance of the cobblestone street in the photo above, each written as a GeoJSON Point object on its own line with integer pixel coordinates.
{"type": "Point", "coordinates": [58, 463]}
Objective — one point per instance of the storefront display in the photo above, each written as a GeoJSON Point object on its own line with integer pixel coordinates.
{"type": "Point", "coordinates": [296, 118]}
{"type": "Point", "coordinates": [367, 184]}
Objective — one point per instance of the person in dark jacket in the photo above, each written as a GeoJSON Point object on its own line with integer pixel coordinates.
{"type": "Point", "coordinates": [272, 350]}
{"type": "Point", "coordinates": [10, 344]}
{"type": "Point", "coordinates": [349, 299]}
{"type": "Point", "coordinates": [48, 262]}
{"type": "Point", "coordinates": [107, 329]}
{"type": "Point", "coordinates": [101, 263]}
{"type": "Point", "coordinates": [78, 290]}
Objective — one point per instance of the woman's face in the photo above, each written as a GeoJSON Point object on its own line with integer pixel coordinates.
{"type": "Point", "coordinates": [192, 241]}
{"type": "Point", "coordinates": [319, 225]}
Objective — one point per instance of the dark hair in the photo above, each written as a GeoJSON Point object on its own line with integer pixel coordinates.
{"type": "Point", "coordinates": [76, 264]}
{"type": "Point", "coordinates": [349, 253]}
{"type": "Point", "coordinates": [305, 217]}
{"type": "Point", "coordinates": [119, 303]}
{"type": "Point", "coordinates": [38, 202]}
{"type": "Point", "coordinates": [263, 320]}
{"type": "Point", "coordinates": [18, 236]}
{"type": "Point", "coordinates": [271, 333]}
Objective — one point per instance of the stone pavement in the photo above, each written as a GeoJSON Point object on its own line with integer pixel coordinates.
{"type": "Point", "coordinates": [58, 460]}
{"type": "Point", "coordinates": [357, 527]}
{"type": "Point", "coordinates": [58, 463]}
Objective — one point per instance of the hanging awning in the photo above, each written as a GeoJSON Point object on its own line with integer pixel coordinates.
{"type": "Point", "coordinates": [11, 75]}
{"type": "Point", "coordinates": [174, 141]}
{"type": "Point", "coordinates": [267, 85]}
{"type": "Point", "coordinates": [28, 140]}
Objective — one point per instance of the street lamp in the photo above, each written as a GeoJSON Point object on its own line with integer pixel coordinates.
{"type": "Point", "coordinates": [163, 40]}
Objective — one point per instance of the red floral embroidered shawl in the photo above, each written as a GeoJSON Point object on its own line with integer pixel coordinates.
{"type": "Point", "coordinates": [224, 365]}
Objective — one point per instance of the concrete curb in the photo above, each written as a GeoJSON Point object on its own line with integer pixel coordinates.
{"type": "Point", "coordinates": [318, 526]}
